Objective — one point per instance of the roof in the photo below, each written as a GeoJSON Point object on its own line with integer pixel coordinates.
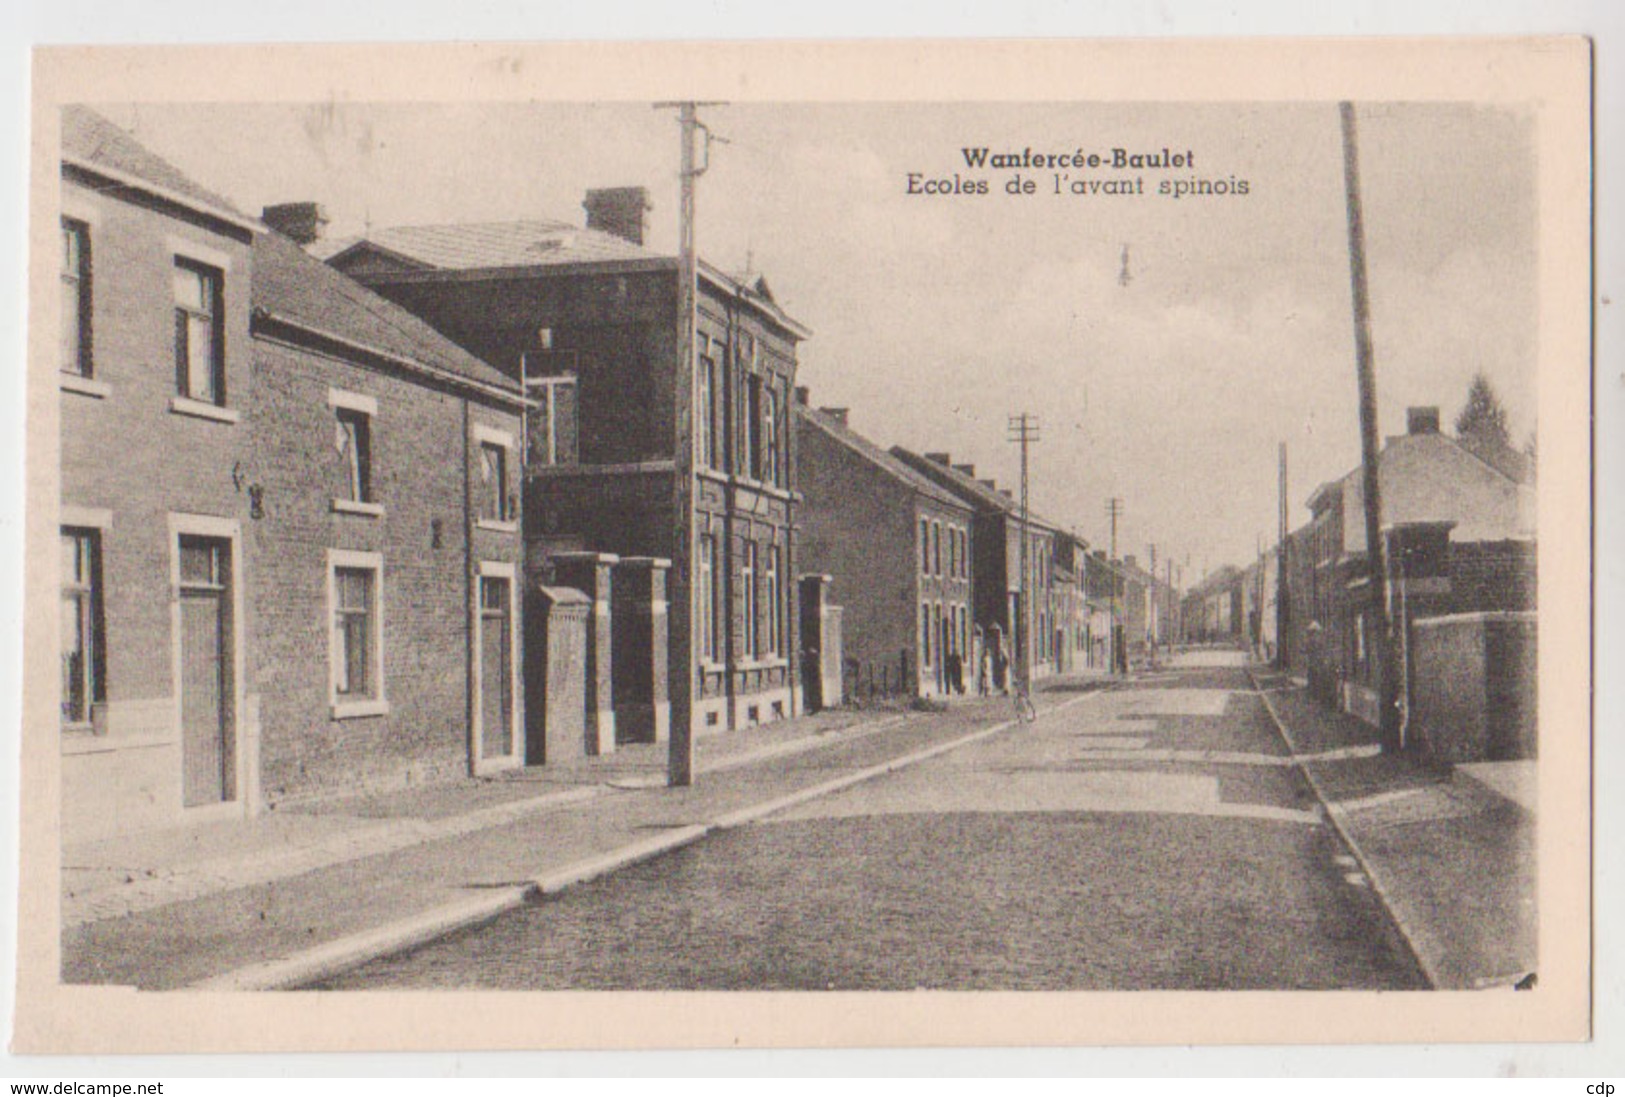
{"type": "Point", "coordinates": [531, 245]}
{"type": "Point", "coordinates": [300, 290]}
{"type": "Point", "coordinates": [1494, 452]}
{"type": "Point", "coordinates": [492, 245]}
{"type": "Point", "coordinates": [92, 142]}
{"type": "Point", "coordinates": [968, 487]}
{"type": "Point", "coordinates": [878, 457]}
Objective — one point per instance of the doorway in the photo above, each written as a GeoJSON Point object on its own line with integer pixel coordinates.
{"type": "Point", "coordinates": [206, 680]}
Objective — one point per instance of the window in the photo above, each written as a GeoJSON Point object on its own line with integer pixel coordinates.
{"type": "Point", "coordinates": [357, 641]}
{"type": "Point", "coordinates": [936, 548]}
{"type": "Point", "coordinates": [747, 588]}
{"type": "Point", "coordinates": [496, 504]}
{"type": "Point", "coordinates": [753, 427]}
{"type": "Point", "coordinates": [773, 616]}
{"type": "Point", "coordinates": [925, 635]}
{"type": "Point", "coordinates": [705, 597]}
{"type": "Point", "coordinates": [705, 408]}
{"type": "Point", "coordinates": [770, 436]}
{"type": "Point", "coordinates": [925, 547]}
{"type": "Point", "coordinates": [81, 625]}
{"type": "Point", "coordinates": [199, 361]}
{"type": "Point", "coordinates": [75, 298]}
{"type": "Point", "coordinates": [353, 440]}
{"type": "Point", "coordinates": [551, 437]}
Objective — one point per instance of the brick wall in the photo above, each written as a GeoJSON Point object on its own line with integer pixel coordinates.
{"type": "Point", "coordinates": [858, 528]}
{"type": "Point", "coordinates": [1472, 688]}
{"type": "Point", "coordinates": [418, 476]}
{"type": "Point", "coordinates": [126, 453]}
{"type": "Point", "coordinates": [1492, 575]}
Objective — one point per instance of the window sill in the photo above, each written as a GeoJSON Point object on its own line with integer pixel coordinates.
{"type": "Point", "coordinates": [348, 710]}
{"type": "Point", "coordinates": [181, 405]}
{"type": "Point", "coordinates": [365, 510]}
{"type": "Point", "coordinates": [85, 386]}
{"type": "Point", "coordinates": [770, 662]}
{"type": "Point", "coordinates": [495, 526]}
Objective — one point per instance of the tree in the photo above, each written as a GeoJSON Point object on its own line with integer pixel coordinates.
{"type": "Point", "coordinates": [1483, 419]}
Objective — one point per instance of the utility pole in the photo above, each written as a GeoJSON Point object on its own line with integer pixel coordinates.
{"type": "Point", "coordinates": [1382, 638]}
{"type": "Point", "coordinates": [1114, 510]}
{"type": "Point", "coordinates": [1023, 429]}
{"type": "Point", "coordinates": [680, 758]}
{"type": "Point", "coordinates": [1283, 594]}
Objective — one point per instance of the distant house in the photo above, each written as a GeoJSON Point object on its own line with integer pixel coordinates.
{"type": "Point", "coordinates": [898, 549]}
{"type": "Point", "coordinates": [996, 560]}
{"type": "Point", "coordinates": [587, 318]}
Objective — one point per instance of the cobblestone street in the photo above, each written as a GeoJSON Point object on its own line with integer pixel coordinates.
{"type": "Point", "coordinates": [1155, 836]}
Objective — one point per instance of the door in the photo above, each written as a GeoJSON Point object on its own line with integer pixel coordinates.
{"type": "Point", "coordinates": [496, 668]}
{"type": "Point", "coordinates": [208, 756]}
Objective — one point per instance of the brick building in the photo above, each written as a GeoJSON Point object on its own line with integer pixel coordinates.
{"type": "Point", "coordinates": [587, 318]}
{"type": "Point", "coordinates": [996, 579]}
{"type": "Point", "coordinates": [898, 549]}
{"type": "Point", "coordinates": [288, 569]}
{"type": "Point", "coordinates": [384, 476]}
{"type": "Point", "coordinates": [159, 701]}
{"type": "Point", "coordinates": [1480, 551]}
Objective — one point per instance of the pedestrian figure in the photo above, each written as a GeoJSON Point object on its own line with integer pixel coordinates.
{"type": "Point", "coordinates": [1001, 662]}
{"type": "Point", "coordinates": [956, 672]}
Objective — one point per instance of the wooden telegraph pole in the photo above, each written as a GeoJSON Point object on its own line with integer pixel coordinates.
{"type": "Point", "coordinates": [1023, 430]}
{"type": "Point", "coordinates": [1114, 510]}
{"type": "Point", "coordinates": [1283, 594]}
{"type": "Point", "coordinates": [1382, 638]}
{"type": "Point", "coordinates": [680, 759]}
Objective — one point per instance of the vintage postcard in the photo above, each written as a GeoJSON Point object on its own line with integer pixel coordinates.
{"type": "Point", "coordinates": [807, 545]}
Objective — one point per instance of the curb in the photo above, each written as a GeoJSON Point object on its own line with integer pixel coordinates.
{"type": "Point", "coordinates": [1339, 824]}
{"type": "Point", "coordinates": [407, 832]}
{"type": "Point", "coordinates": [340, 955]}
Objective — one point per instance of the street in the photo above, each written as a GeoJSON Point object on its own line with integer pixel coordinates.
{"type": "Point", "coordinates": [1153, 836]}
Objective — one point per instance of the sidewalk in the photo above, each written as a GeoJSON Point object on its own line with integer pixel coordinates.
{"type": "Point", "coordinates": [1450, 851]}
{"type": "Point", "coordinates": [178, 908]}
{"type": "Point", "coordinates": [124, 875]}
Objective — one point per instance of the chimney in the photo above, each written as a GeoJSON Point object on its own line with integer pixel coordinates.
{"type": "Point", "coordinates": [837, 414]}
{"type": "Point", "coordinates": [939, 458]}
{"type": "Point", "coordinates": [968, 470]}
{"type": "Point", "coordinates": [803, 394]}
{"type": "Point", "coordinates": [300, 222]}
{"type": "Point", "coordinates": [618, 211]}
{"type": "Point", "coordinates": [1422, 420]}
{"type": "Point", "coordinates": [1131, 561]}
{"type": "Point", "coordinates": [986, 483]}
{"type": "Point", "coordinates": [1006, 493]}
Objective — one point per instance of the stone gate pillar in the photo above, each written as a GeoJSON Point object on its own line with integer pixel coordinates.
{"type": "Point", "coordinates": [591, 573]}
{"type": "Point", "coordinates": [556, 645]}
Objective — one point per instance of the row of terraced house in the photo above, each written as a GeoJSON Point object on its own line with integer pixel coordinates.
{"type": "Point", "coordinates": [1458, 529]}
{"type": "Point", "coordinates": [348, 515]}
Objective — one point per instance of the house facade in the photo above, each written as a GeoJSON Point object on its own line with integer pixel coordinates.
{"type": "Point", "coordinates": [287, 568]}
{"type": "Point", "coordinates": [384, 483]}
{"type": "Point", "coordinates": [587, 319]}
{"type": "Point", "coordinates": [898, 549]}
{"type": "Point", "coordinates": [1469, 522]}
{"type": "Point", "coordinates": [996, 562]}
{"type": "Point", "coordinates": [159, 706]}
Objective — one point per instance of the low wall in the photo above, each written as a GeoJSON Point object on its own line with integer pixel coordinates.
{"type": "Point", "coordinates": [1472, 686]}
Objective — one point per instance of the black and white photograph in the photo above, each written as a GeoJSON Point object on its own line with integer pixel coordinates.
{"type": "Point", "coordinates": [503, 538]}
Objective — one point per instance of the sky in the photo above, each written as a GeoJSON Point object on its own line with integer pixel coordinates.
{"type": "Point", "coordinates": [935, 317]}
